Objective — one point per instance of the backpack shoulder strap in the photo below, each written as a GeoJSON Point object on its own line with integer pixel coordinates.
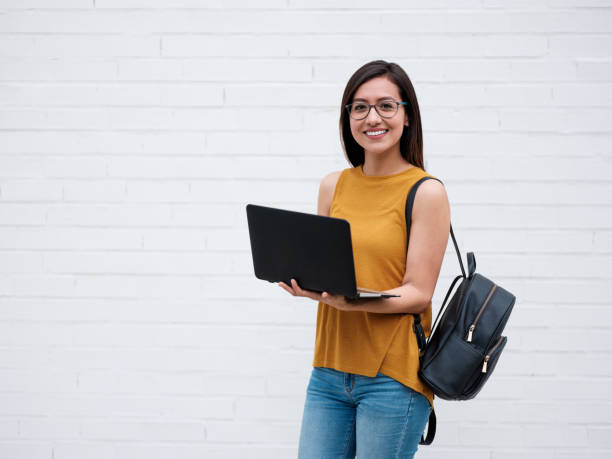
{"type": "Point", "coordinates": [410, 204]}
{"type": "Point", "coordinates": [431, 429]}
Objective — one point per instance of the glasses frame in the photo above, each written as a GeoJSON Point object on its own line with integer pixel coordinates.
{"type": "Point", "coordinates": [397, 104]}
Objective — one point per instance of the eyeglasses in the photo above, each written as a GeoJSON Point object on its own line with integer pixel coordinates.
{"type": "Point", "coordinates": [385, 108]}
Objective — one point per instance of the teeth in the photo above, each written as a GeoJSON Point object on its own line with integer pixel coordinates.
{"type": "Point", "coordinates": [376, 132]}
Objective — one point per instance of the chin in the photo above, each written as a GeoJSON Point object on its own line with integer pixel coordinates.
{"type": "Point", "coordinates": [379, 150]}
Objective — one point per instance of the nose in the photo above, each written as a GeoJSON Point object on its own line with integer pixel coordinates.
{"type": "Point", "coordinates": [373, 116]}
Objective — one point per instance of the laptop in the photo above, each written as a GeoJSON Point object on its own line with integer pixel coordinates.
{"type": "Point", "coordinates": [314, 250]}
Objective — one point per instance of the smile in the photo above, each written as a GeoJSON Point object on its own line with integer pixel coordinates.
{"type": "Point", "coordinates": [378, 133]}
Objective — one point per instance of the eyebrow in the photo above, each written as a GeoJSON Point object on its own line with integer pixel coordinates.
{"type": "Point", "coordinates": [380, 98]}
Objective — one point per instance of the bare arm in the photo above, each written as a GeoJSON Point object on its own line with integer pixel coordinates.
{"type": "Point", "coordinates": [326, 193]}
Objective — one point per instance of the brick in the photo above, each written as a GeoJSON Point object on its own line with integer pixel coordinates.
{"type": "Point", "coordinates": [557, 317]}
{"type": "Point", "coordinates": [599, 437]}
{"type": "Point", "coordinates": [122, 310]}
{"type": "Point", "coordinates": [463, 69]}
{"type": "Point", "coordinates": [37, 380]}
{"type": "Point", "coordinates": [216, 168]}
{"type": "Point", "coordinates": [49, 429]}
{"type": "Point", "coordinates": [586, 266]}
{"type": "Point", "coordinates": [19, 450]}
{"type": "Point", "coordinates": [184, 21]}
{"type": "Point", "coordinates": [15, 167]}
{"type": "Point", "coordinates": [562, 168]}
{"type": "Point", "coordinates": [522, 454]}
{"type": "Point", "coordinates": [583, 46]}
{"type": "Point", "coordinates": [593, 70]}
{"type": "Point", "coordinates": [559, 436]}
{"type": "Point", "coordinates": [111, 95]}
{"type": "Point", "coordinates": [75, 450]}
{"type": "Point", "coordinates": [441, 452]}
{"type": "Point", "coordinates": [290, 96]}
{"type": "Point", "coordinates": [31, 190]}
{"type": "Point", "coordinates": [582, 95]}
{"type": "Point", "coordinates": [571, 453]}
{"type": "Point", "coordinates": [118, 215]}
{"type": "Point", "coordinates": [188, 408]}
{"type": "Point", "coordinates": [253, 432]}
{"type": "Point", "coordinates": [515, 143]}
{"type": "Point", "coordinates": [391, 4]}
{"type": "Point", "coordinates": [348, 45]}
{"type": "Point", "coordinates": [602, 241]}
{"type": "Point", "coordinates": [501, 21]}
{"type": "Point", "coordinates": [21, 262]}
{"type": "Point", "coordinates": [189, 4]}
{"type": "Point", "coordinates": [68, 238]}
{"type": "Point", "coordinates": [9, 429]}
{"type": "Point", "coordinates": [232, 191]}
{"type": "Point", "coordinates": [60, 4]}
{"type": "Point", "coordinates": [102, 191]}
{"type": "Point", "coordinates": [282, 409]}
{"type": "Point", "coordinates": [174, 239]}
{"type": "Point", "coordinates": [91, 143]}
{"type": "Point", "coordinates": [576, 120]}
{"type": "Point", "coordinates": [246, 69]}
{"type": "Point", "coordinates": [20, 214]}
{"type": "Point", "coordinates": [543, 71]}
{"type": "Point", "coordinates": [163, 451]}
{"type": "Point", "coordinates": [139, 382]}
{"type": "Point", "coordinates": [62, 46]}
{"type": "Point", "coordinates": [40, 69]}
{"type": "Point", "coordinates": [287, 385]}
{"type": "Point", "coordinates": [544, 192]}
{"type": "Point", "coordinates": [139, 286]}
{"type": "Point", "coordinates": [164, 431]}
{"type": "Point", "coordinates": [143, 263]}
{"type": "Point", "coordinates": [214, 46]}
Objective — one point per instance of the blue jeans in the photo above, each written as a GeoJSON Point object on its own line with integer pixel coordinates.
{"type": "Point", "coordinates": [346, 414]}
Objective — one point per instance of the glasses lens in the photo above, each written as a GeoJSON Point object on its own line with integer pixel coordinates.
{"type": "Point", "coordinates": [386, 108]}
{"type": "Point", "coordinates": [359, 110]}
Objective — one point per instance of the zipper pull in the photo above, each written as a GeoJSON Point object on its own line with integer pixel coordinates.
{"type": "Point", "coordinates": [470, 332]}
{"type": "Point", "coordinates": [484, 365]}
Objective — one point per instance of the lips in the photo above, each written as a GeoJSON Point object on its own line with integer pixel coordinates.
{"type": "Point", "coordinates": [376, 133]}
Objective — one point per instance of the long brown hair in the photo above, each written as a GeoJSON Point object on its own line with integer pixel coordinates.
{"type": "Point", "coordinates": [411, 142]}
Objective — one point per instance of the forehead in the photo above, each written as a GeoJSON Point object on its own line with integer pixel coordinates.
{"type": "Point", "coordinates": [377, 88]}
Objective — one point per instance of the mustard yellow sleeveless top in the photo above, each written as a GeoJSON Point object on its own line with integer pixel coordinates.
{"type": "Point", "coordinates": [360, 342]}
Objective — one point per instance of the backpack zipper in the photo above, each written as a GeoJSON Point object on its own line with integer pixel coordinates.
{"type": "Point", "coordinates": [488, 356]}
{"type": "Point", "coordinates": [482, 308]}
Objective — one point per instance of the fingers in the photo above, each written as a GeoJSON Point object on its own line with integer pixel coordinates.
{"type": "Point", "coordinates": [299, 291]}
{"type": "Point", "coordinates": [296, 287]}
{"type": "Point", "coordinates": [296, 290]}
{"type": "Point", "coordinates": [286, 287]}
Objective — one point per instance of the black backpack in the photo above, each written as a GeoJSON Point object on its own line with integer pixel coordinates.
{"type": "Point", "coordinates": [462, 351]}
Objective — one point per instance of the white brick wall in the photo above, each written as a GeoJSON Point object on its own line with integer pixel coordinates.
{"type": "Point", "coordinates": [132, 134]}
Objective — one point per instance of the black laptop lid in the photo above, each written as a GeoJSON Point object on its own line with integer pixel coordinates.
{"type": "Point", "coordinates": [316, 251]}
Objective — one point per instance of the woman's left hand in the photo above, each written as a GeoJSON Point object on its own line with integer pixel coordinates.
{"type": "Point", "coordinates": [335, 301]}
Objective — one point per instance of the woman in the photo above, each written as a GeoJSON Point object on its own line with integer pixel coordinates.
{"type": "Point", "coordinates": [364, 395]}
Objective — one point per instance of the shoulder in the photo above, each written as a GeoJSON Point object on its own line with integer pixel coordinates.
{"type": "Point", "coordinates": [326, 191]}
{"type": "Point", "coordinates": [431, 190]}
{"type": "Point", "coordinates": [431, 196]}
{"type": "Point", "coordinates": [329, 181]}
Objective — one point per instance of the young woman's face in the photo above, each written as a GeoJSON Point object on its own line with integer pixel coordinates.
{"type": "Point", "coordinates": [378, 135]}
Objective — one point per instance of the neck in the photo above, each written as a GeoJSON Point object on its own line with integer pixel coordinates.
{"type": "Point", "coordinates": [385, 164]}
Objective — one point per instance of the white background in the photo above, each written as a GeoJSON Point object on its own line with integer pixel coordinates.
{"type": "Point", "coordinates": [133, 133]}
